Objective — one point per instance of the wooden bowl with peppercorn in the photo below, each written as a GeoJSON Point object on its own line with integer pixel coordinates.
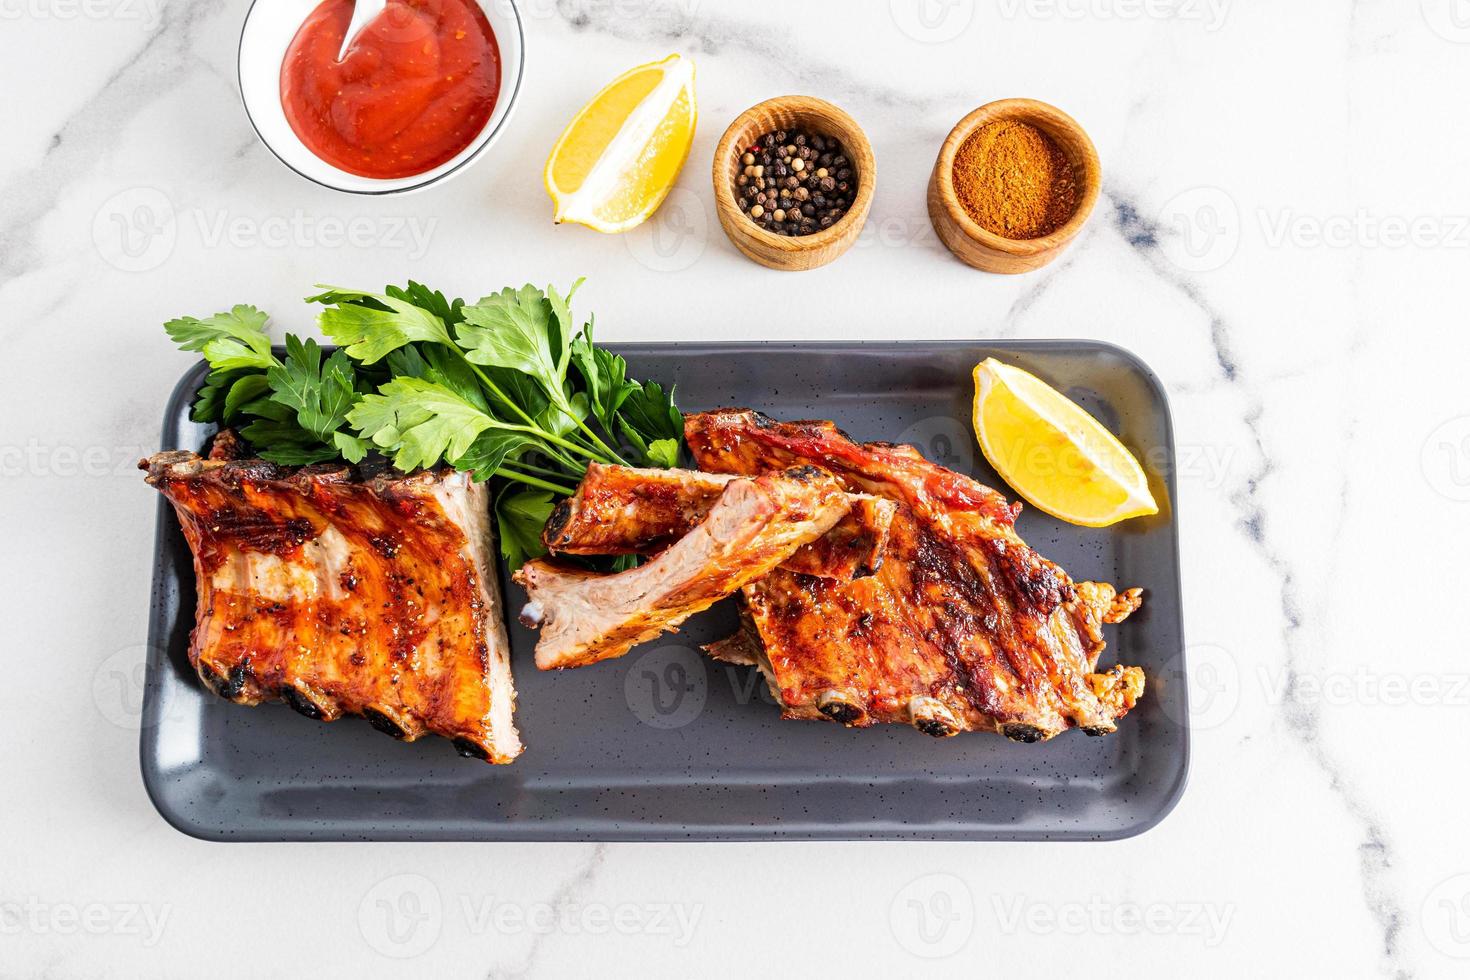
{"type": "Point", "coordinates": [1014, 183]}
{"type": "Point", "coordinates": [793, 182]}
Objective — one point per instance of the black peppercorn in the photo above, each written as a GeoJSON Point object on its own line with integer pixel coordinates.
{"type": "Point", "coordinates": [789, 182]}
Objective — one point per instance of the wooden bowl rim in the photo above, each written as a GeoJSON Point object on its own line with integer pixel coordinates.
{"type": "Point", "coordinates": [854, 141]}
{"type": "Point", "coordinates": [1091, 174]}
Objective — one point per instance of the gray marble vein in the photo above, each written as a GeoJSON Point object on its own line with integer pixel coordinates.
{"type": "Point", "coordinates": [578, 884]}
{"type": "Point", "coordinates": [699, 25]}
{"type": "Point", "coordinates": [1301, 716]}
{"type": "Point", "coordinates": [155, 68]}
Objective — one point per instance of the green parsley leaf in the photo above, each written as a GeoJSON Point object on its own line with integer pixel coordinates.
{"type": "Point", "coordinates": [606, 376]}
{"type": "Point", "coordinates": [520, 517]}
{"type": "Point", "coordinates": [209, 403]}
{"type": "Point", "coordinates": [242, 392]}
{"type": "Point", "coordinates": [283, 441]}
{"type": "Point", "coordinates": [663, 453]}
{"type": "Point", "coordinates": [514, 329]}
{"type": "Point", "coordinates": [228, 341]}
{"type": "Point", "coordinates": [561, 327]}
{"type": "Point", "coordinates": [428, 299]}
{"type": "Point", "coordinates": [561, 420]}
{"type": "Point", "coordinates": [419, 422]}
{"type": "Point", "coordinates": [652, 412]}
{"type": "Point", "coordinates": [321, 394]}
{"type": "Point", "coordinates": [370, 326]}
{"type": "Point", "coordinates": [352, 448]}
{"type": "Point", "coordinates": [490, 450]}
{"type": "Point", "coordinates": [519, 389]}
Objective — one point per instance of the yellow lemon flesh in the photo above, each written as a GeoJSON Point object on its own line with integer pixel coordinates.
{"type": "Point", "coordinates": [617, 160]}
{"type": "Point", "coordinates": [1054, 454]}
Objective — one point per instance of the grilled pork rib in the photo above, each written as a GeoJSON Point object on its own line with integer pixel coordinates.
{"type": "Point", "coordinates": [963, 628]}
{"type": "Point", "coordinates": [341, 593]}
{"type": "Point", "coordinates": [618, 510]}
{"type": "Point", "coordinates": [755, 525]}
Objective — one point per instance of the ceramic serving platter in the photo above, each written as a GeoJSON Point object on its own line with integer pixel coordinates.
{"type": "Point", "coordinates": [665, 744]}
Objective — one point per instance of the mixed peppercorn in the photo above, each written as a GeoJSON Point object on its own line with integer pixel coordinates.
{"type": "Point", "coordinates": [793, 182]}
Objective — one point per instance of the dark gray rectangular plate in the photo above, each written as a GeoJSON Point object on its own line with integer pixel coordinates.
{"type": "Point", "coordinates": [667, 745]}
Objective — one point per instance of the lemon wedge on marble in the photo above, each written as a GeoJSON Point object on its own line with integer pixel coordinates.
{"type": "Point", "coordinates": [617, 160]}
{"type": "Point", "coordinates": [1053, 453]}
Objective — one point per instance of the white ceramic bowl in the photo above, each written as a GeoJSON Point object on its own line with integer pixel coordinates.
{"type": "Point", "coordinates": [269, 27]}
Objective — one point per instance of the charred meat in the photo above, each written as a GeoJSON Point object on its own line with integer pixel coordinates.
{"type": "Point", "coordinates": [618, 510]}
{"type": "Point", "coordinates": [963, 628]}
{"type": "Point", "coordinates": [347, 594]}
{"type": "Point", "coordinates": [754, 526]}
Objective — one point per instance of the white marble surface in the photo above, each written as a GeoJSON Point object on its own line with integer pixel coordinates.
{"type": "Point", "coordinates": [1283, 237]}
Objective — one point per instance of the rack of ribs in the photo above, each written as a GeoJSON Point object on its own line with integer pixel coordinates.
{"type": "Point", "coordinates": [345, 593]}
{"type": "Point", "coordinates": [963, 628]}
{"type": "Point", "coordinates": [619, 510]}
{"type": "Point", "coordinates": [753, 526]}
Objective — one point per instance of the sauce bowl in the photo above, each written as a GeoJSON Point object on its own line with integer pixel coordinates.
{"type": "Point", "coordinates": [269, 28]}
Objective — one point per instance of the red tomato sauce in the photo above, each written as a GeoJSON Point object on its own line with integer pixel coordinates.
{"type": "Point", "coordinates": [416, 87]}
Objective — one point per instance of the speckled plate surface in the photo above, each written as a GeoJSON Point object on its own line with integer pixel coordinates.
{"type": "Point", "coordinates": [667, 745]}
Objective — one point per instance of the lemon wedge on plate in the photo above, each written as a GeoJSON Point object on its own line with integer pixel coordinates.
{"type": "Point", "coordinates": [617, 160]}
{"type": "Point", "coordinates": [1054, 454]}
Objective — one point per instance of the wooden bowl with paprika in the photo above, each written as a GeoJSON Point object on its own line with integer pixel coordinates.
{"type": "Point", "coordinates": [744, 138]}
{"type": "Point", "coordinates": [1014, 183]}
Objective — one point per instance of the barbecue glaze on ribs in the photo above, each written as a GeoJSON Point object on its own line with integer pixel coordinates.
{"type": "Point", "coordinates": [755, 525]}
{"type": "Point", "coordinates": [963, 628]}
{"type": "Point", "coordinates": [344, 594]}
{"type": "Point", "coordinates": [619, 510]}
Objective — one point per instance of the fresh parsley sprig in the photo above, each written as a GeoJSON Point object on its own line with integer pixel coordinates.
{"type": "Point", "coordinates": [292, 411]}
{"type": "Point", "coordinates": [507, 388]}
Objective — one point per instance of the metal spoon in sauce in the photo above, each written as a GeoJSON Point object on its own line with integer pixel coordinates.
{"type": "Point", "coordinates": [362, 12]}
